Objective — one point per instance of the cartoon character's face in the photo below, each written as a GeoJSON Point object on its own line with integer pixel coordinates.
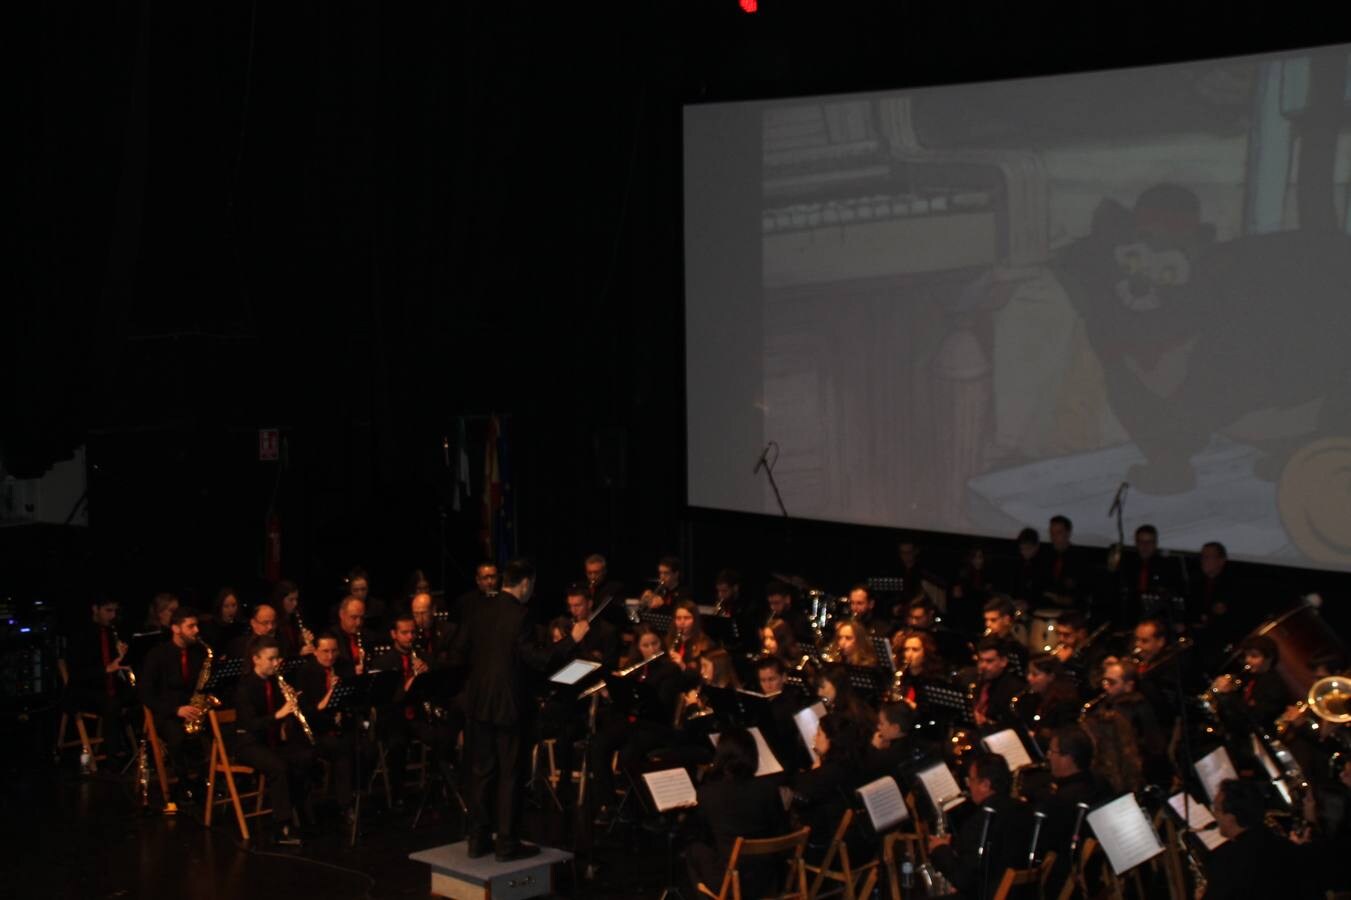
{"type": "Point", "coordinates": [1146, 272]}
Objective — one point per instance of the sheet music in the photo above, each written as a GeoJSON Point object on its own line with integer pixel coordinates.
{"type": "Point", "coordinates": [671, 789]}
{"type": "Point", "coordinates": [1260, 751]}
{"type": "Point", "coordinates": [1214, 769]}
{"type": "Point", "coordinates": [1123, 830]}
{"type": "Point", "coordinates": [1198, 817]}
{"type": "Point", "coordinates": [941, 787]}
{"type": "Point", "coordinates": [757, 694]}
{"type": "Point", "coordinates": [885, 805]}
{"type": "Point", "coordinates": [574, 671]}
{"type": "Point", "coordinates": [769, 763]}
{"type": "Point", "coordinates": [1007, 744]}
{"type": "Point", "coordinates": [808, 722]}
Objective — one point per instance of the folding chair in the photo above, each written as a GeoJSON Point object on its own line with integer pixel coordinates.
{"type": "Point", "coordinates": [1021, 877]}
{"type": "Point", "coordinates": [795, 882]}
{"type": "Point", "coordinates": [221, 765]}
{"type": "Point", "coordinates": [157, 753]}
{"type": "Point", "coordinates": [845, 875]}
{"type": "Point", "coordinates": [82, 739]}
{"type": "Point", "coordinates": [917, 852]}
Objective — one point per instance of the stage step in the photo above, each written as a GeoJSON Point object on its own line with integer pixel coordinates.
{"type": "Point", "coordinates": [457, 876]}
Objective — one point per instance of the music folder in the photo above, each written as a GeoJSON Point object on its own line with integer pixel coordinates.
{"type": "Point", "coordinates": [943, 791]}
{"type": "Point", "coordinates": [808, 720]}
{"type": "Point", "coordinates": [769, 763]}
{"type": "Point", "coordinates": [1125, 833]}
{"type": "Point", "coordinates": [671, 789]}
{"type": "Point", "coordinates": [574, 671]}
{"type": "Point", "coordinates": [1007, 744]}
{"type": "Point", "coordinates": [1214, 769]}
{"type": "Point", "coordinates": [1200, 821]}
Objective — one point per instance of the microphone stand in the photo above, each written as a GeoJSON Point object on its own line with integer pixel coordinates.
{"type": "Point", "coordinates": [768, 465]}
{"type": "Point", "coordinates": [981, 860]}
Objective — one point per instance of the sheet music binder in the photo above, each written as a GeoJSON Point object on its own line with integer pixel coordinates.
{"type": "Point", "coordinates": [1125, 833]}
{"type": "Point", "coordinates": [883, 801]}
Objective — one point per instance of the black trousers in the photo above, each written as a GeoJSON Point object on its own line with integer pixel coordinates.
{"type": "Point", "coordinates": [397, 733]}
{"type": "Point", "coordinates": [109, 709]}
{"type": "Point", "coordinates": [287, 768]}
{"type": "Point", "coordinates": [184, 752]}
{"type": "Point", "coordinates": [340, 752]}
{"type": "Point", "coordinates": [493, 779]}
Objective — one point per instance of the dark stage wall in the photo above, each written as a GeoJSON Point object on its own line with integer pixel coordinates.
{"type": "Point", "coordinates": [357, 221]}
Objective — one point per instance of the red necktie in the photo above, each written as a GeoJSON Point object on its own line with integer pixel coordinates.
{"type": "Point", "coordinates": [1143, 584]}
{"type": "Point", "coordinates": [273, 726]}
{"type": "Point", "coordinates": [352, 643]}
{"type": "Point", "coordinates": [407, 672]}
{"type": "Point", "coordinates": [328, 680]}
{"type": "Point", "coordinates": [983, 703]}
{"type": "Point", "coordinates": [109, 684]}
{"type": "Point", "coordinates": [183, 663]}
{"type": "Point", "coordinates": [1248, 692]}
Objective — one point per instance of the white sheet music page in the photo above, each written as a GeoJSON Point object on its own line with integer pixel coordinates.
{"type": "Point", "coordinates": [885, 805]}
{"type": "Point", "coordinates": [1124, 831]}
{"type": "Point", "coordinates": [1214, 769]}
{"type": "Point", "coordinates": [941, 786]}
{"type": "Point", "coordinates": [807, 722]}
{"type": "Point", "coordinates": [671, 789]}
{"type": "Point", "coordinates": [1200, 821]}
{"type": "Point", "coordinates": [769, 763]}
{"type": "Point", "coordinates": [1007, 744]}
{"type": "Point", "coordinates": [574, 671]}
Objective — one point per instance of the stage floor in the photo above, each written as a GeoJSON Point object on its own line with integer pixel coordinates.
{"type": "Point", "coordinates": [71, 837]}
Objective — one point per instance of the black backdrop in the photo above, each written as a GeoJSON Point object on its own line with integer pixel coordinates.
{"type": "Point", "coordinates": [357, 221]}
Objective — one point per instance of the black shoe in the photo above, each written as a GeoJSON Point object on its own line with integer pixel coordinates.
{"type": "Point", "coordinates": [479, 845]}
{"type": "Point", "coordinates": [286, 836]}
{"type": "Point", "coordinates": [517, 851]}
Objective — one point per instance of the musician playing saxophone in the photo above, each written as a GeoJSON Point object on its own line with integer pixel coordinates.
{"type": "Point", "coordinates": [168, 679]}
{"type": "Point", "coordinates": [270, 739]}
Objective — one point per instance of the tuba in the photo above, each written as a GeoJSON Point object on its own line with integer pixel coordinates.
{"type": "Point", "coordinates": [1330, 699]}
{"type": "Point", "coordinates": [200, 700]}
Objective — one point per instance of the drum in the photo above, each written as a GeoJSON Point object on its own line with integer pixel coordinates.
{"type": "Point", "coordinates": [1301, 634]}
{"type": "Point", "coordinates": [1041, 636]}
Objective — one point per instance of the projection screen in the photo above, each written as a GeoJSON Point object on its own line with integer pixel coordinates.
{"type": "Point", "coordinates": [968, 308]}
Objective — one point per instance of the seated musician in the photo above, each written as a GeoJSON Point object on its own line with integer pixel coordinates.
{"type": "Point", "coordinates": [433, 636]}
{"type": "Point", "coordinates": [970, 590]}
{"type": "Point", "coordinates": [1255, 706]}
{"type": "Point", "coordinates": [1148, 579]}
{"type": "Point", "coordinates": [168, 680]}
{"type": "Point", "coordinates": [601, 588]}
{"type": "Point", "coordinates": [633, 732]}
{"type": "Point", "coordinates": [839, 697]}
{"type": "Point", "coordinates": [781, 598]}
{"type": "Point", "coordinates": [777, 640]}
{"type": "Point", "coordinates": [894, 744]}
{"type": "Point", "coordinates": [601, 643]}
{"type": "Point", "coordinates": [997, 686]}
{"type": "Point", "coordinates": [819, 796]}
{"type": "Point", "coordinates": [686, 641]}
{"type": "Point", "coordinates": [1052, 699]}
{"type": "Point", "coordinates": [1325, 844]}
{"type": "Point", "coordinates": [224, 625]}
{"type": "Point", "coordinates": [269, 738]}
{"type": "Point", "coordinates": [295, 638]}
{"type": "Point", "coordinates": [358, 583]}
{"type": "Point", "coordinates": [1149, 742]}
{"type": "Point", "coordinates": [1074, 652]}
{"type": "Point", "coordinates": [953, 646]}
{"type": "Point", "coordinates": [863, 609]}
{"type": "Point", "coordinates": [1160, 665]}
{"type": "Point", "coordinates": [1061, 579]}
{"type": "Point", "coordinates": [669, 590]}
{"type": "Point", "coordinates": [999, 625]}
{"type": "Point", "coordinates": [1073, 782]}
{"type": "Point", "coordinates": [694, 715]}
{"type": "Point", "coordinates": [160, 612]}
{"type": "Point", "coordinates": [1006, 829]}
{"type": "Point", "coordinates": [354, 639]}
{"type": "Point", "coordinates": [785, 701]}
{"type": "Point", "coordinates": [334, 736]}
{"type": "Point", "coordinates": [917, 653]}
{"type": "Point", "coordinates": [734, 803]}
{"type": "Point", "coordinates": [434, 722]}
{"type": "Point", "coordinates": [1255, 861]}
{"type": "Point", "coordinates": [263, 623]}
{"type": "Point", "coordinates": [94, 661]}
{"type": "Point", "coordinates": [852, 645]}
{"type": "Point", "coordinates": [1025, 581]}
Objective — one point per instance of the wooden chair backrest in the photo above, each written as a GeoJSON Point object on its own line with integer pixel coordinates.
{"type": "Point", "coordinates": [795, 841]}
{"type": "Point", "coordinates": [1018, 877]}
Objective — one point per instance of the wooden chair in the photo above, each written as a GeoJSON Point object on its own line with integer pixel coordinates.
{"type": "Point", "coordinates": [221, 765]}
{"type": "Point", "coordinates": [917, 853]}
{"type": "Point", "coordinates": [83, 739]}
{"type": "Point", "coordinates": [1020, 877]}
{"type": "Point", "coordinates": [1110, 886]}
{"type": "Point", "coordinates": [157, 753]}
{"type": "Point", "coordinates": [795, 883]}
{"type": "Point", "coordinates": [845, 875]}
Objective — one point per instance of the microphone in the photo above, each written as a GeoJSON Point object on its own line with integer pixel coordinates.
{"type": "Point", "coordinates": [1036, 833]}
{"type": "Point", "coordinates": [1078, 827]}
{"type": "Point", "coordinates": [984, 830]}
{"type": "Point", "coordinates": [1117, 500]}
{"type": "Point", "coordinates": [763, 460]}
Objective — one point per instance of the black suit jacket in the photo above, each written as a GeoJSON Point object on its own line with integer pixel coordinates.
{"type": "Point", "coordinates": [1008, 841]}
{"type": "Point", "coordinates": [254, 723]}
{"type": "Point", "coordinates": [346, 663]}
{"type": "Point", "coordinates": [497, 640]}
{"type": "Point", "coordinates": [748, 808]}
{"type": "Point", "coordinates": [84, 657]}
{"type": "Point", "coordinates": [999, 709]}
{"type": "Point", "coordinates": [161, 681]}
{"type": "Point", "coordinates": [1257, 863]}
{"type": "Point", "coordinates": [312, 683]}
{"type": "Point", "coordinates": [600, 644]}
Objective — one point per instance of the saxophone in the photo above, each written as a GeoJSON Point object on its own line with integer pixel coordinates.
{"type": "Point", "coordinates": [289, 694]}
{"type": "Point", "coordinates": [143, 774]}
{"type": "Point", "coordinates": [200, 700]}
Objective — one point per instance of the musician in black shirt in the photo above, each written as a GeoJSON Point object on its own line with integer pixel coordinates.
{"type": "Point", "coordinates": [997, 686]}
{"type": "Point", "coordinates": [334, 738]}
{"type": "Point", "coordinates": [354, 639]}
{"type": "Point", "coordinates": [863, 608]}
{"type": "Point", "coordinates": [94, 661]}
{"type": "Point", "coordinates": [1254, 706]}
{"type": "Point", "coordinates": [1006, 831]}
{"type": "Point", "coordinates": [434, 722]}
{"type": "Point", "coordinates": [168, 680]}
{"type": "Point", "coordinates": [263, 623]}
{"type": "Point", "coordinates": [268, 737]}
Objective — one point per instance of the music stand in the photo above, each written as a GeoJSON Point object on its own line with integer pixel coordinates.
{"type": "Point", "coordinates": [224, 673]}
{"type": "Point", "coordinates": [883, 648]}
{"type": "Point", "coordinates": [359, 694]}
{"type": "Point", "coordinates": [868, 681]}
{"type": "Point", "coordinates": [938, 695]}
{"type": "Point", "coordinates": [722, 629]}
{"type": "Point", "coordinates": [662, 622]}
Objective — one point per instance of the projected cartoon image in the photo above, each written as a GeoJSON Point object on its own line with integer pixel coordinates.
{"type": "Point", "coordinates": [989, 304]}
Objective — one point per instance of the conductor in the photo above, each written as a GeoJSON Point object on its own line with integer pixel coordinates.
{"type": "Point", "coordinates": [497, 640]}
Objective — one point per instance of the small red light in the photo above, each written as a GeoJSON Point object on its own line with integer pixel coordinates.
{"type": "Point", "coordinates": [749, 6]}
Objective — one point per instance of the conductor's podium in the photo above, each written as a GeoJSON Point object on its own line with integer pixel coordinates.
{"type": "Point", "coordinates": [457, 876]}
